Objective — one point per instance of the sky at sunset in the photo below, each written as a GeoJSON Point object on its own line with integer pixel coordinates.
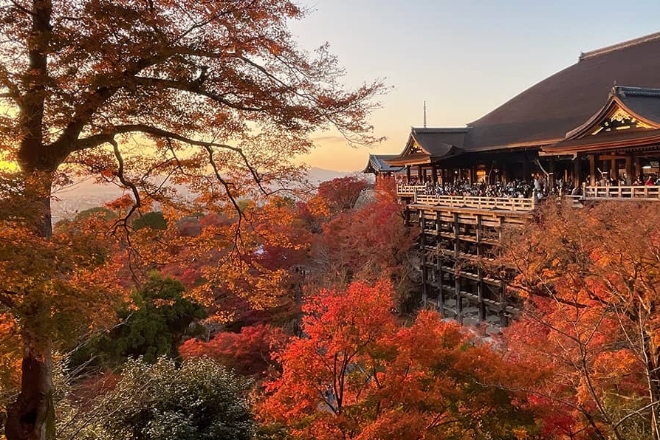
{"type": "Point", "coordinates": [463, 57]}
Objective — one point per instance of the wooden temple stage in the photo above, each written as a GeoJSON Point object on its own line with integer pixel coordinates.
{"type": "Point", "coordinates": [459, 239]}
{"type": "Point", "coordinates": [591, 129]}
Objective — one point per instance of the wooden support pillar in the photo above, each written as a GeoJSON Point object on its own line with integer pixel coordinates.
{"type": "Point", "coordinates": [577, 171]}
{"type": "Point", "coordinates": [441, 293]}
{"type": "Point", "coordinates": [629, 170]}
{"type": "Point", "coordinates": [420, 176]}
{"type": "Point", "coordinates": [480, 275]}
{"type": "Point", "coordinates": [638, 169]}
{"type": "Point", "coordinates": [473, 175]}
{"type": "Point", "coordinates": [422, 246]}
{"type": "Point", "coordinates": [503, 320]}
{"type": "Point", "coordinates": [434, 175]}
{"type": "Point", "coordinates": [408, 174]}
{"type": "Point", "coordinates": [502, 292]}
{"type": "Point", "coordinates": [551, 177]}
{"type": "Point", "coordinates": [457, 279]}
{"type": "Point", "coordinates": [614, 170]}
{"type": "Point", "coordinates": [592, 170]}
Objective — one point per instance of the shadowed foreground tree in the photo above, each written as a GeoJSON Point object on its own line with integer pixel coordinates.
{"type": "Point", "coordinates": [61, 287]}
{"type": "Point", "coordinates": [206, 85]}
{"type": "Point", "coordinates": [151, 326]}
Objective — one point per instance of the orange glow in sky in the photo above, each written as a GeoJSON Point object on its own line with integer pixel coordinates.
{"type": "Point", "coordinates": [463, 58]}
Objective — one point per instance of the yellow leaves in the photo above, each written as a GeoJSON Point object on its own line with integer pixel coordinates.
{"type": "Point", "coordinates": [63, 285]}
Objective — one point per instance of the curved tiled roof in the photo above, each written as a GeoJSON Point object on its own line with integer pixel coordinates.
{"type": "Point", "coordinates": [438, 142]}
{"type": "Point", "coordinates": [377, 164]}
{"type": "Point", "coordinates": [644, 102]}
{"type": "Point", "coordinates": [545, 112]}
{"type": "Point", "coordinates": [430, 144]}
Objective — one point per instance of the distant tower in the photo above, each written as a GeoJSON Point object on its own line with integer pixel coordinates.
{"type": "Point", "coordinates": [424, 114]}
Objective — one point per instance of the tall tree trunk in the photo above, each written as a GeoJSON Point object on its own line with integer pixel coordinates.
{"type": "Point", "coordinates": [32, 416]}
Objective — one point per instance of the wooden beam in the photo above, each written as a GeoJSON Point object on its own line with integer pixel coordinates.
{"type": "Point", "coordinates": [457, 278]}
{"type": "Point", "coordinates": [592, 170]}
{"type": "Point", "coordinates": [438, 262]}
{"type": "Point", "coordinates": [614, 169]}
{"type": "Point", "coordinates": [551, 178]}
{"type": "Point", "coordinates": [526, 175]}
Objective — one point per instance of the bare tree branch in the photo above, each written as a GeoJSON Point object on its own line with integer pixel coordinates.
{"type": "Point", "coordinates": [192, 87]}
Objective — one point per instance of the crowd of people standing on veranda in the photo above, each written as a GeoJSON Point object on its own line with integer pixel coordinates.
{"type": "Point", "coordinates": [648, 180]}
{"type": "Point", "coordinates": [538, 187]}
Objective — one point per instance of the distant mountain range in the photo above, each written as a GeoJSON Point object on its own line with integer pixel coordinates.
{"type": "Point", "coordinates": [318, 175]}
{"type": "Point", "coordinates": [85, 194]}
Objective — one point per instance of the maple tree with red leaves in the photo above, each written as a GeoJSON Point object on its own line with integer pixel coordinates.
{"type": "Point", "coordinates": [247, 353]}
{"type": "Point", "coordinates": [367, 243]}
{"type": "Point", "coordinates": [131, 90]}
{"type": "Point", "coordinates": [357, 373]}
{"type": "Point", "coordinates": [336, 195]}
{"type": "Point", "coordinates": [234, 266]}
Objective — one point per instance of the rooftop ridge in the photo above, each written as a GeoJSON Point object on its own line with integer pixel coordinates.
{"type": "Point", "coordinates": [382, 155]}
{"type": "Point", "coordinates": [625, 91]}
{"type": "Point", "coordinates": [440, 129]}
{"type": "Point", "coordinates": [618, 46]}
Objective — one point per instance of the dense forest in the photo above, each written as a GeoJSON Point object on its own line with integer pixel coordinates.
{"type": "Point", "coordinates": [263, 309]}
{"type": "Point", "coordinates": [301, 319]}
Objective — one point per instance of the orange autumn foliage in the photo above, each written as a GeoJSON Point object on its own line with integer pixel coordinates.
{"type": "Point", "coordinates": [150, 95]}
{"type": "Point", "coordinates": [359, 374]}
{"type": "Point", "coordinates": [590, 325]}
{"type": "Point", "coordinates": [231, 264]}
{"type": "Point", "coordinates": [336, 196]}
{"type": "Point", "coordinates": [367, 243]}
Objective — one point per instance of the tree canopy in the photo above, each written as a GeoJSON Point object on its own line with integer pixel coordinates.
{"type": "Point", "coordinates": [590, 278]}
{"type": "Point", "coordinates": [139, 93]}
{"type": "Point", "coordinates": [357, 373]}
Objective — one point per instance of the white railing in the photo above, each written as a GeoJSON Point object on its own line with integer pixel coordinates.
{"type": "Point", "coordinates": [622, 192]}
{"type": "Point", "coordinates": [409, 190]}
{"type": "Point", "coordinates": [510, 204]}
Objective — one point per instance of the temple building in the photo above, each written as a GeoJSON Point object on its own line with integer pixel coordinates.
{"type": "Point", "coordinates": [597, 119]}
{"type": "Point", "coordinates": [590, 131]}
{"type": "Point", "coordinates": [379, 168]}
